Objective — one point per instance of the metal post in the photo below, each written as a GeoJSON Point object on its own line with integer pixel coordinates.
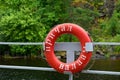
{"type": "Point", "coordinates": [70, 58]}
{"type": "Point", "coordinates": [70, 76]}
{"type": "Point", "coordinates": [70, 48]}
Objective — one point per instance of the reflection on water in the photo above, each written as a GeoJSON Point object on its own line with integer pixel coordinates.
{"type": "Point", "coordinates": [107, 65]}
{"type": "Point", "coordinates": [10, 74]}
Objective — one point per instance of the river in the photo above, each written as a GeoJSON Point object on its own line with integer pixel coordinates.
{"type": "Point", "coordinates": [99, 64]}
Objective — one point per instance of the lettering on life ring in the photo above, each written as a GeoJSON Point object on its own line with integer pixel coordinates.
{"type": "Point", "coordinates": [84, 56]}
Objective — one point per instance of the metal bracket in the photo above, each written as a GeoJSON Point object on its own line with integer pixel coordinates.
{"type": "Point", "coordinates": [89, 47]}
{"type": "Point", "coordinates": [70, 48]}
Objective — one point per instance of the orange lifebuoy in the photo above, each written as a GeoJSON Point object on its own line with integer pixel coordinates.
{"type": "Point", "coordinates": [84, 56]}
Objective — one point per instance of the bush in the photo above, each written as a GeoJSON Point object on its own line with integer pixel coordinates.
{"type": "Point", "coordinates": [28, 21]}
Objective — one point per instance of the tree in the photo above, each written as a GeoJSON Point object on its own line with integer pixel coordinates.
{"type": "Point", "coordinates": [110, 27]}
{"type": "Point", "coordinates": [28, 21]}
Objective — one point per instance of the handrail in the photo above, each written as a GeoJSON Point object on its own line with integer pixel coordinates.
{"type": "Point", "coordinates": [41, 43]}
{"type": "Point", "coordinates": [51, 69]}
{"type": "Point", "coordinates": [89, 47]}
{"type": "Point", "coordinates": [27, 68]}
{"type": "Point", "coordinates": [21, 43]}
{"type": "Point", "coordinates": [107, 43]}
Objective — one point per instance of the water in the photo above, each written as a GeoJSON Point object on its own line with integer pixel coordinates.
{"type": "Point", "coordinates": [11, 74]}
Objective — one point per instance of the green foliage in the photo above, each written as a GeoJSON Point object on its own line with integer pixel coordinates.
{"type": "Point", "coordinates": [86, 17]}
{"type": "Point", "coordinates": [67, 38]}
{"type": "Point", "coordinates": [110, 27]}
{"type": "Point", "coordinates": [21, 24]}
{"type": "Point", "coordinates": [84, 14]}
{"type": "Point", "coordinates": [100, 18]}
{"type": "Point", "coordinates": [31, 20]}
{"type": "Point", "coordinates": [28, 21]}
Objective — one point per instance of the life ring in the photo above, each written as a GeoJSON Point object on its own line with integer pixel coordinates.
{"type": "Point", "coordinates": [84, 56]}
